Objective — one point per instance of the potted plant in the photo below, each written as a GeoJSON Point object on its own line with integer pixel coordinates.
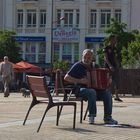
{"type": "Point", "coordinates": [61, 65]}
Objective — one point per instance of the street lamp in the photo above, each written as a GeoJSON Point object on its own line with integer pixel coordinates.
{"type": "Point", "coordinates": [51, 43]}
{"type": "Point", "coordinates": [52, 46]}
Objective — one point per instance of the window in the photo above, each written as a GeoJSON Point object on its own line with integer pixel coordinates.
{"type": "Point", "coordinates": [30, 47]}
{"type": "Point", "coordinates": [71, 17]}
{"type": "Point", "coordinates": [105, 17]}
{"type": "Point", "coordinates": [42, 47]}
{"type": "Point", "coordinates": [76, 52]}
{"type": "Point", "coordinates": [118, 15]}
{"type": "Point", "coordinates": [66, 52]}
{"type": "Point", "coordinates": [67, 0]}
{"type": "Point", "coordinates": [42, 18]}
{"type": "Point", "coordinates": [30, 51]}
{"type": "Point", "coordinates": [31, 18]}
{"type": "Point", "coordinates": [30, 57]}
{"type": "Point", "coordinates": [41, 58]}
{"type": "Point", "coordinates": [19, 18]}
{"type": "Point", "coordinates": [56, 51]}
{"type": "Point", "coordinates": [77, 18]}
{"type": "Point", "coordinates": [42, 51]}
{"type": "Point", "coordinates": [93, 19]}
{"type": "Point", "coordinates": [103, 0]}
{"type": "Point", "coordinates": [26, 0]}
{"type": "Point", "coordinates": [68, 14]}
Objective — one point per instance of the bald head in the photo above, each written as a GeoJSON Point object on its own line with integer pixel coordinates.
{"type": "Point", "coordinates": [5, 58]}
{"type": "Point", "coordinates": [87, 56]}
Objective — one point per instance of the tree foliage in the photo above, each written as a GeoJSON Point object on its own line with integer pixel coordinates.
{"type": "Point", "coordinates": [9, 46]}
{"type": "Point", "coordinates": [63, 65]}
{"type": "Point", "coordinates": [131, 55]}
{"type": "Point", "coordinates": [124, 41]}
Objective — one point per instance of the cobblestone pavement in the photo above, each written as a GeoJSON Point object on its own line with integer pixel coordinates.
{"type": "Point", "coordinates": [14, 108]}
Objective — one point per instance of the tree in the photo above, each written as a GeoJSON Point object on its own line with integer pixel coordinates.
{"type": "Point", "coordinates": [9, 46]}
{"type": "Point", "coordinates": [131, 55]}
{"type": "Point", "coordinates": [124, 38]}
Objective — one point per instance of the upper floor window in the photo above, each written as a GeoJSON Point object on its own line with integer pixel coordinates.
{"type": "Point", "coordinates": [68, 14]}
{"type": "Point", "coordinates": [42, 18]}
{"type": "Point", "coordinates": [118, 15]}
{"type": "Point", "coordinates": [31, 18]}
{"type": "Point", "coordinates": [105, 16]}
{"type": "Point", "coordinates": [77, 18]}
{"type": "Point", "coordinates": [19, 18]}
{"type": "Point", "coordinates": [71, 17]}
{"type": "Point", "coordinates": [93, 19]}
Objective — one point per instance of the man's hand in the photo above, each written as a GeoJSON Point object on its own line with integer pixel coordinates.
{"type": "Point", "coordinates": [84, 81]}
{"type": "Point", "coordinates": [111, 68]}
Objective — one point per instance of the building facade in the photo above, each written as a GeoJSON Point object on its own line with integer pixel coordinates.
{"type": "Point", "coordinates": [51, 30]}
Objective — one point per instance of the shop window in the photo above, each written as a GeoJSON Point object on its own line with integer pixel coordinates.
{"type": "Point", "coordinates": [41, 58]}
{"type": "Point", "coordinates": [76, 52]}
{"type": "Point", "coordinates": [56, 51]}
{"type": "Point", "coordinates": [30, 57]}
{"type": "Point", "coordinates": [30, 52]}
{"type": "Point", "coordinates": [42, 47]}
{"type": "Point", "coordinates": [67, 52]}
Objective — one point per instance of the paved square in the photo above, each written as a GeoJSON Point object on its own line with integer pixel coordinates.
{"type": "Point", "coordinates": [14, 108]}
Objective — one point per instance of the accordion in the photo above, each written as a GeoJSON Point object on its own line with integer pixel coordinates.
{"type": "Point", "coordinates": [99, 78]}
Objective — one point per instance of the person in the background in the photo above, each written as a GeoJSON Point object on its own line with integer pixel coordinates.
{"type": "Point", "coordinates": [78, 75]}
{"type": "Point", "coordinates": [111, 63]}
{"type": "Point", "coordinates": [6, 70]}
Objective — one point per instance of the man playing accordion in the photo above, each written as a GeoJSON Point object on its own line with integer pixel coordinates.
{"type": "Point", "coordinates": [78, 75]}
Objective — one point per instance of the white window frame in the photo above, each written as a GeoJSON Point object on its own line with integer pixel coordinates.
{"type": "Point", "coordinates": [118, 15]}
{"type": "Point", "coordinates": [106, 14]}
{"type": "Point", "coordinates": [31, 18]}
{"type": "Point", "coordinates": [71, 17]}
{"type": "Point", "coordinates": [93, 18]}
{"type": "Point", "coordinates": [19, 18]}
{"type": "Point", "coordinates": [42, 18]}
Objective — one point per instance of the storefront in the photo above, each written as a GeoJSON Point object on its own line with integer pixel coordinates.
{"type": "Point", "coordinates": [66, 44]}
{"type": "Point", "coordinates": [32, 48]}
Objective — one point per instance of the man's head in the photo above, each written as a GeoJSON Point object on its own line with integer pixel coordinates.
{"type": "Point", "coordinates": [5, 58]}
{"type": "Point", "coordinates": [112, 39]}
{"type": "Point", "coordinates": [87, 56]}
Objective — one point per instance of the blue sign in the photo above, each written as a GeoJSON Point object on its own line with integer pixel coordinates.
{"type": "Point", "coordinates": [30, 38]}
{"type": "Point", "coordinates": [94, 39]}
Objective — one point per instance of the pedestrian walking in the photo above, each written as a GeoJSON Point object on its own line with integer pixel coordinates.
{"type": "Point", "coordinates": [6, 71]}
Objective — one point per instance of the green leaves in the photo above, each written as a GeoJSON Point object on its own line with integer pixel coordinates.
{"type": "Point", "coordinates": [63, 65]}
{"type": "Point", "coordinates": [8, 46]}
{"type": "Point", "coordinates": [128, 43]}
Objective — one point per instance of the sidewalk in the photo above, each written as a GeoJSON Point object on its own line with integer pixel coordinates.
{"type": "Point", "coordinates": [14, 108]}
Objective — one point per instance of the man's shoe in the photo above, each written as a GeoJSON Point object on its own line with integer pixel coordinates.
{"type": "Point", "coordinates": [6, 95]}
{"type": "Point", "coordinates": [110, 121]}
{"type": "Point", "coordinates": [91, 120]}
{"type": "Point", "coordinates": [118, 99]}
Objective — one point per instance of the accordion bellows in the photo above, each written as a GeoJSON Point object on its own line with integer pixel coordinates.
{"type": "Point", "coordinates": [99, 78]}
